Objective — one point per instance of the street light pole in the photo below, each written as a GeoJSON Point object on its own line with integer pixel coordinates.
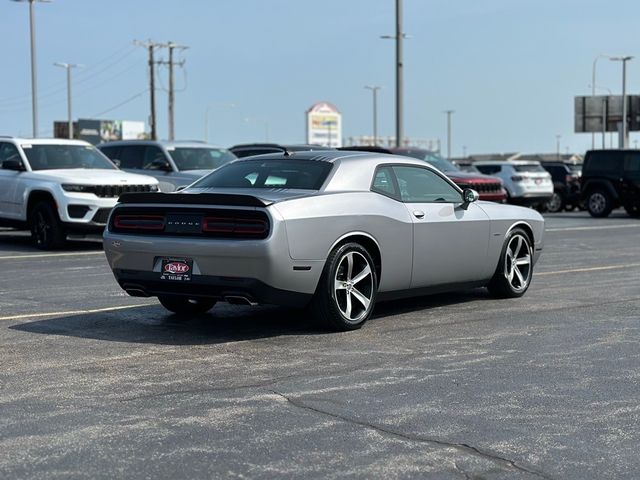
{"type": "Point", "coordinates": [374, 90]}
{"type": "Point", "coordinates": [558, 137]}
{"type": "Point", "coordinates": [398, 37]}
{"type": "Point", "coordinates": [34, 77]}
{"type": "Point", "coordinates": [449, 113]}
{"type": "Point", "coordinates": [593, 91]}
{"type": "Point", "coordinates": [68, 67]}
{"type": "Point", "coordinates": [624, 140]}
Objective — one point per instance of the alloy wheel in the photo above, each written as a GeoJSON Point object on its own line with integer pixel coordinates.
{"type": "Point", "coordinates": [597, 202]}
{"type": "Point", "coordinates": [353, 286]}
{"type": "Point", "coordinates": [555, 203]}
{"type": "Point", "coordinates": [517, 264]}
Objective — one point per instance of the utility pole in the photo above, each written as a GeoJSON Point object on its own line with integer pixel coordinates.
{"type": "Point", "coordinates": [151, 46]}
{"type": "Point", "coordinates": [558, 137]}
{"type": "Point", "coordinates": [374, 90]}
{"type": "Point", "coordinates": [449, 113]}
{"type": "Point", "coordinates": [68, 67]}
{"type": "Point", "coordinates": [34, 77]}
{"type": "Point", "coordinates": [398, 37]}
{"type": "Point", "coordinates": [624, 134]}
{"type": "Point", "coordinates": [172, 46]}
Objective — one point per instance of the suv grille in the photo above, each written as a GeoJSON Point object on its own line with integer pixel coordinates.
{"type": "Point", "coordinates": [489, 187]}
{"type": "Point", "coordinates": [117, 190]}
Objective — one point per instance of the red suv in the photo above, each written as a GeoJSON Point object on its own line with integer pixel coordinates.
{"type": "Point", "coordinates": [489, 188]}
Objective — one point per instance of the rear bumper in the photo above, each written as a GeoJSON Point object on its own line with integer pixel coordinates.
{"type": "Point", "coordinates": [530, 199]}
{"type": "Point", "coordinates": [148, 284]}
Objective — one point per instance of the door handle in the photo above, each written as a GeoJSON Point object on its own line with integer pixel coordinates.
{"type": "Point", "coordinates": [418, 213]}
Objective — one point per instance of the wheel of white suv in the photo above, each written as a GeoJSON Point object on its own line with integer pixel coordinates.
{"type": "Point", "coordinates": [599, 203]}
{"type": "Point", "coordinates": [47, 231]}
{"type": "Point", "coordinates": [515, 268]}
{"type": "Point", "coordinates": [185, 305]}
{"type": "Point", "coordinates": [347, 290]}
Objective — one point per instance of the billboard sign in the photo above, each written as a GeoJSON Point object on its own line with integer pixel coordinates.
{"type": "Point", "coordinates": [324, 125]}
{"type": "Point", "coordinates": [98, 131]}
{"type": "Point", "coordinates": [603, 113]}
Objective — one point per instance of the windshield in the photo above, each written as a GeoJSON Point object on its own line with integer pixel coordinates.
{"type": "Point", "coordinates": [56, 157]}
{"type": "Point", "coordinates": [294, 174]}
{"type": "Point", "coordinates": [440, 163]}
{"type": "Point", "coordinates": [199, 158]}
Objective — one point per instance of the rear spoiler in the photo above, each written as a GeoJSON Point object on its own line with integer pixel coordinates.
{"type": "Point", "coordinates": [194, 199]}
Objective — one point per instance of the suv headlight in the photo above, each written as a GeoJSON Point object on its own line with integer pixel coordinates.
{"type": "Point", "coordinates": [77, 188]}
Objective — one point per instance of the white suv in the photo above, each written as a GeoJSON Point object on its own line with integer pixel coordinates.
{"type": "Point", "coordinates": [526, 182]}
{"type": "Point", "coordinates": [55, 187]}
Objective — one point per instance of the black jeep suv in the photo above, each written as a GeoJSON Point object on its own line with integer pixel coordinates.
{"type": "Point", "coordinates": [610, 179]}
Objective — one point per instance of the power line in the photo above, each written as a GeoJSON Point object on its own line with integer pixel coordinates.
{"type": "Point", "coordinates": [124, 102]}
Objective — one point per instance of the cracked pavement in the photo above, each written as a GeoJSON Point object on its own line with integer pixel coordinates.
{"type": "Point", "coordinates": [455, 386]}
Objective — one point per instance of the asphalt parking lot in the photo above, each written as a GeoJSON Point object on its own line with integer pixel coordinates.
{"type": "Point", "coordinates": [96, 384]}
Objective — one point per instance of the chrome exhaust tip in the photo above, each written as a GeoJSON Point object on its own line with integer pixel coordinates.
{"type": "Point", "coordinates": [239, 300]}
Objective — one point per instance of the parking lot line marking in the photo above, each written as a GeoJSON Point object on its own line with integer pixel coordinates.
{"type": "Point", "coordinates": [72, 312]}
{"type": "Point", "coordinates": [589, 269]}
{"type": "Point", "coordinates": [45, 255]}
{"type": "Point", "coordinates": [599, 227]}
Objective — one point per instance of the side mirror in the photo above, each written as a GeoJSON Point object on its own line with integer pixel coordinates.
{"type": "Point", "coordinates": [469, 196]}
{"type": "Point", "coordinates": [181, 187]}
{"type": "Point", "coordinates": [160, 164]}
{"type": "Point", "coordinates": [16, 165]}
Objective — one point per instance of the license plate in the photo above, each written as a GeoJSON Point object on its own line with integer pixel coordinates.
{"type": "Point", "coordinates": [176, 269]}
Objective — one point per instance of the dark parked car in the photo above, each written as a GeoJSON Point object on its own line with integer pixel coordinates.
{"type": "Point", "coordinates": [610, 179]}
{"type": "Point", "coordinates": [566, 187]}
{"type": "Point", "coordinates": [249, 149]}
{"type": "Point", "coordinates": [489, 188]}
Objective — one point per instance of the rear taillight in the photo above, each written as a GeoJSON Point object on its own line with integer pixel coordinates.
{"type": "Point", "coordinates": [517, 178]}
{"type": "Point", "coordinates": [139, 222]}
{"type": "Point", "coordinates": [239, 226]}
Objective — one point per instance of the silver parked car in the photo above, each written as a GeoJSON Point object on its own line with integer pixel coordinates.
{"type": "Point", "coordinates": [175, 164]}
{"type": "Point", "coordinates": [333, 231]}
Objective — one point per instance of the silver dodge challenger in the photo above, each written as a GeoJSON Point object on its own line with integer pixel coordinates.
{"type": "Point", "coordinates": [329, 231]}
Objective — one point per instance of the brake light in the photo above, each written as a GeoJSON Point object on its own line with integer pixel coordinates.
{"type": "Point", "coordinates": [517, 178]}
{"type": "Point", "coordinates": [139, 222]}
{"type": "Point", "coordinates": [241, 226]}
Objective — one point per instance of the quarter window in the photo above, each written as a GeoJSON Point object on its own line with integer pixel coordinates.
{"type": "Point", "coordinates": [8, 151]}
{"type": "Point", "coordinates": [383, 183]}
{"type": "Point", "coordinates": [424, 186]}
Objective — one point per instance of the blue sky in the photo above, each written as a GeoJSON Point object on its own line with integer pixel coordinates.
{"type": "Point", "coordinates": [510, 68]}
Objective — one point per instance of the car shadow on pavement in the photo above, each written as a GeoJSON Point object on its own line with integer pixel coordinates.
{"type": "Point", "coordinates": [20, 242]}
{"type": "Point", "coordinates": [225, 323]}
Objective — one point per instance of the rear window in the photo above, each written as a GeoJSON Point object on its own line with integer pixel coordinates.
{"type": "Point", "coordinates": [532, 167]}
{"type": "Point", "coordinates": [294, 174]}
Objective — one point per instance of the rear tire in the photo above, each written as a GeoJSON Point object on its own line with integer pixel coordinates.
{"type": "Point", "coordinates": [599, 204]}
{"type": "Point", "coordinates": [515, 268]}
{"type": "Point", "coordinates": [346, 293]}
{"type": "Point", "coordinates": [185, 305]}
{"type": "Point", "coordinates": [47, 231]}
{"type": "Point", "coordinates": [556, 203]}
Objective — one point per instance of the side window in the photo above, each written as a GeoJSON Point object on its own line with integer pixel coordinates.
{"type": "Point", "coordinates": [632, 163]}
{"type": "Point", "coordinates": [132, 156]}
{"type": "Point", "coordinates": [8, 151]}
{"type": "Point", "coordinates": [422, 185]}
{"type": "Point", "coordinates": [383, 183]}
{"type": "Point", "coordinates": [111, 152]}
{"type": "Point", "coordinates": [153, 154]}
{"type": "Point", "coordinates": [604, 162]}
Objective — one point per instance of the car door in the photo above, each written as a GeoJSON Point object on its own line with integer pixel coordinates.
{"type": "Point", "coordinates": [631, 179]}
{"type": "Point", "coordinates": [450, 239]}
{"type": "Point", "coordinates": [9, 204]}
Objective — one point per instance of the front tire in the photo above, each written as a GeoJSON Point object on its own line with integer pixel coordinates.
{"type": "Point", "coordinates": [599, 204]}
{"type": "Point", "coordinates": [515, 268]}
{"type": "Point", "coordinates": [347, 290]}
{"type": "Point", "coordinates": [185, 305]}
{"type": "Point", "coordinates": [47, 231]}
